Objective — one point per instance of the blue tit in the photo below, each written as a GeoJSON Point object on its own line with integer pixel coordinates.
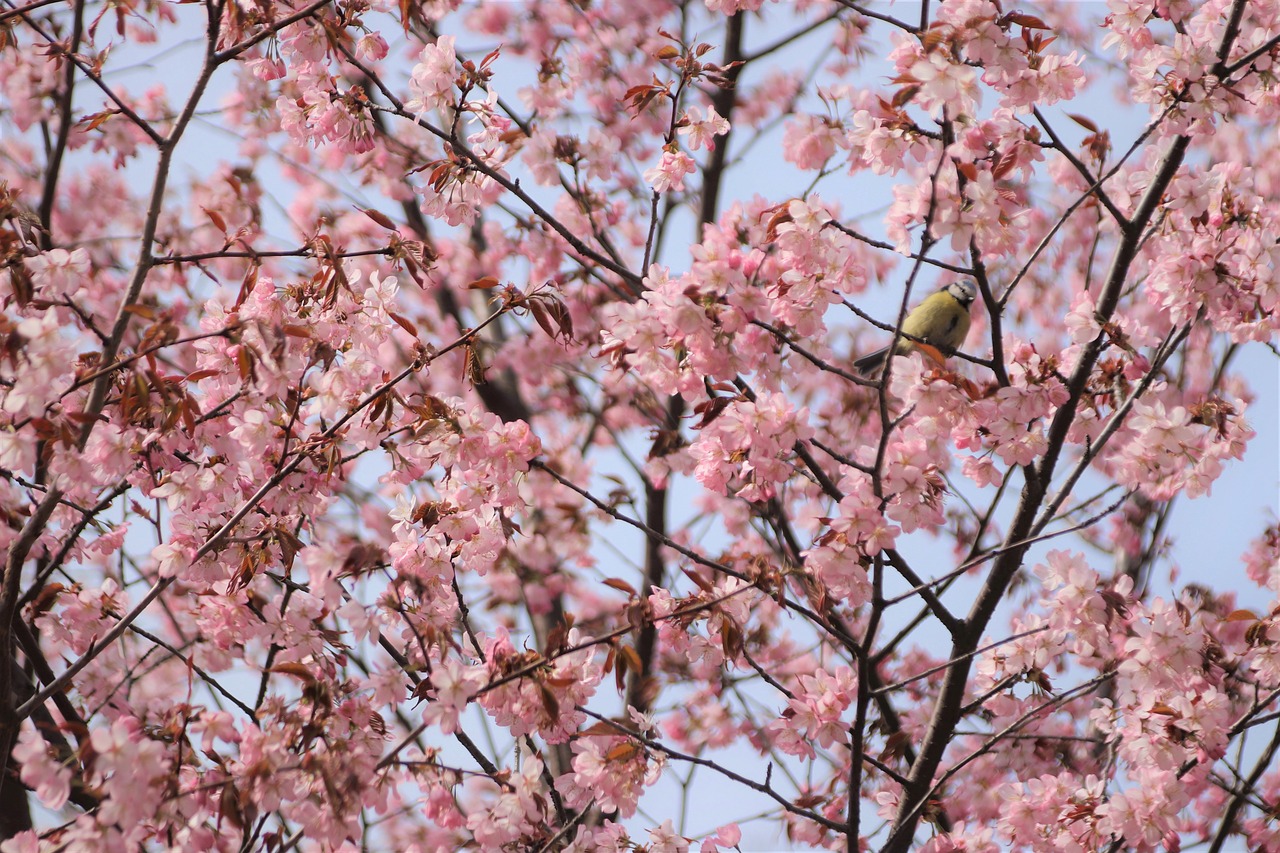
{"type": "Point", "coordinates": [941, 321]}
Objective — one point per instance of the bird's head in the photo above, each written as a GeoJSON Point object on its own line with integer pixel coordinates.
{"type": "Point", "coordinates": [963, 292]}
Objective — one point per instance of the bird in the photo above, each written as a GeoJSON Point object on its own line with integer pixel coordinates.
{"type": "Point", "coordinates": [941, 321]}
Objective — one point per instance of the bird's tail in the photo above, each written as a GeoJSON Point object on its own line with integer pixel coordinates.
{"type": "Point", "coordinates": [871, 362]}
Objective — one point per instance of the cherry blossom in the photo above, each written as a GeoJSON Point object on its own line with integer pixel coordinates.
{"type": "Point", "coordinates": [669, 173]}
{"type": "Point", "coordinates": [432, 426]}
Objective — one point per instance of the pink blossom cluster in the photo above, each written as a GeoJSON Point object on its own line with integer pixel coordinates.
{"type": "Point", "coordinates": [433, 426]}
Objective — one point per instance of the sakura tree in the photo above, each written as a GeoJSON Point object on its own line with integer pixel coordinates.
{"type": "Point", "coordinates": [431, 426]}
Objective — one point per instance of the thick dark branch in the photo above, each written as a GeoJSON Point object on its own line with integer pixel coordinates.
{"type": "Point", "coordinates": [53, 170]}
{"type": "Point", "coordinates": [641, 686]}
{"type": "Point", "coordinates": [724, 101]}
{"type": "Point", "coordinates": [1227, 823]}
